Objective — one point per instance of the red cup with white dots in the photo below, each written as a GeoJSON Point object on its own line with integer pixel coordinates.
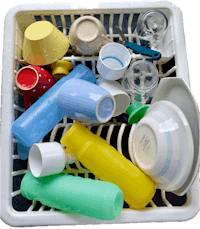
{"type": "Point", "coordinates": [33, 81]}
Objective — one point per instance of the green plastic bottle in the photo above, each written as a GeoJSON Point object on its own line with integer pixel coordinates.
{"type": "Point", "coordinates": [94, 198]}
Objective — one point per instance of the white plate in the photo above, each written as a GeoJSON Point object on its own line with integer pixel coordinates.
{"type": "Point", "coordinates": [178, 92]}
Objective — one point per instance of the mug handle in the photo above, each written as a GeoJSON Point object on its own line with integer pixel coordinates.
{"type": "Point", "coordinates": [105, 40]}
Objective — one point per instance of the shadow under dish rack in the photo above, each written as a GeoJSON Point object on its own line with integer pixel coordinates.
{"type": "Point", "coordinates": [19, 211]}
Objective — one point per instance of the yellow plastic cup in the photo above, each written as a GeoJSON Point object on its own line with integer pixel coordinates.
{"type": "Point", "coordinates": [44, 43]}
{"type": "Point", "coordinates": [108, 164]}
{"type": "Point", "coordinates": [61, 68]}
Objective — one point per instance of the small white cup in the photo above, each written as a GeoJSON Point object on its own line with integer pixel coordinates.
{"type": "Point", "coordinates": [113, 61]}
{"type": "Point", "coordinates": [48, 158]}
{"type": "Point", "coordinates": [122, 99]}
{"type": "Point", "coordinates": [163, 145]}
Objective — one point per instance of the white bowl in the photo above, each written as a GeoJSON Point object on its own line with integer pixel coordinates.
{"type": "Point", "coordinates": [176, 90]}
{"type": "Point", "coordinates": [163, 145]}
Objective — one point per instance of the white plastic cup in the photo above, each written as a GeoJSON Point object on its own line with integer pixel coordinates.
{"type": "Point", "coordinates": [122, 99]}
{"type": "Point", "coordinates": [113, 61]}
{"type": "Point", "coordinates": [47, 158]}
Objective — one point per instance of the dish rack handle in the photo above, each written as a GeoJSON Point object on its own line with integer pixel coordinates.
{"type": "Point", "coordinates": [122, 4]}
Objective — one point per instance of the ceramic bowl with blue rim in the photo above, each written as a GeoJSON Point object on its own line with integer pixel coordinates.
{"type": "Point", "coordinates": [163, 145]}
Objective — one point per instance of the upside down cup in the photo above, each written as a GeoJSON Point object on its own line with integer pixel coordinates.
{"type": "Point", "coordinates": [85, 101]}
{"type": "Point", "coordinates": [61, 68]}
{"type": "Point", "coordinates": [44, 43]}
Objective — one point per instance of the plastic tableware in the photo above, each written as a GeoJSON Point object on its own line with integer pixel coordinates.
{"type": "Point", "coordinates": [48, 158]}
{"type": "Point", "coordinates": [22, 151]}
{"type": "Point", "coordinates": [136, 111]}
{"type": "Point", "coordinates": [85, 101]}
{"type": "Point", "coordinates": [87, 35]}
{"type": "Point", "coordinates": [33, 81]}
{"type": "Point", "coordinates": [138, 48]}
{"type": "Point", "coordinates": [163, 145]}
{"type": "Point", "coordinates": [113, 61]}
{"type": "Point", "coordinates": [72, 194]}
{"type": "Point", "coordinates": [175, 90]}
{"type": "Point", "coordinates": [43, 115]}
{"type": "Point", "coordinates": [108, 164]}
{"type": "Point", "coordinates": [140, 81]}
{"type": "Point", "coordinates": [115, 89]}
{"type": "Point", "coordinates": [152, 27]}
{"type": "Point", "coordinates": [61, 68]}
{"type": "Point", "coordinates": [43, 43]}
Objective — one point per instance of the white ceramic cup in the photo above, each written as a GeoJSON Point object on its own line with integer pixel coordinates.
{"type": "Point", "coordinates": [113, 61]}
{"type": "Point", "coordinates": [87, 35]}
{"type": "Point", "coordinates": [163, 145]}
{"type": "Point", "coordinates": [48, 158]}
{"type": "Point", "coordinates": [122, 99]}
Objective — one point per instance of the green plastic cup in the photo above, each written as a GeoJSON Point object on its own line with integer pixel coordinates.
{"type": "Point", "coordinates": [93, 198]}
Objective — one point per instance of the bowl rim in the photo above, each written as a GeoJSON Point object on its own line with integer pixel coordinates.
{"type": "Point", "coordinates": [187, 133]}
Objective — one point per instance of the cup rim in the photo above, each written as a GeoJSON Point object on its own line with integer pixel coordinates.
{"type": "Point", "coordinates": [26, 67]}
{"type": "Point", "coordinates": [36, 169]}
{"type": "Point", "coordinates": [114, 107]}
{"type": "Point", "coordinates": [116, 44]}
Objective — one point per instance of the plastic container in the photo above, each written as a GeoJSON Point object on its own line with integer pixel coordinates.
{"type": "Point", "coordinates": [44, 43]}
{"type": "Point", "coordinates": [113, 61]}
{"type": "Point", "coordinates": [122, 99]}
{"type": "Point", "coordinates": [105, 162]}
{"type": "Point", "coordinates": [101, 200]}
{"type": "Point", "coordinates": [18, 211]}
{"type": "Point", "coordinates": [47, 158]}
{"type": "Point", "coordinates": [82, 100]}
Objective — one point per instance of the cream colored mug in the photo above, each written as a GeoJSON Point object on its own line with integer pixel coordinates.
{"type": "Point", "coordinates": [87, 35]}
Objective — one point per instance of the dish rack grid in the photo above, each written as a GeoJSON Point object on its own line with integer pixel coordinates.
{"type": "Point", "coordinates": [164, 206]}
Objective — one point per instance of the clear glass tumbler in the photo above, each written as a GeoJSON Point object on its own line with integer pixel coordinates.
{"type": "Point", "coordinates": [140, 81]}
{"type": "Point", "coordinates": [152, 27]}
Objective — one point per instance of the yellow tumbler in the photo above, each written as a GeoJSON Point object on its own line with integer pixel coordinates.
{"type": "Point", "coordinates": [108, 164]}
{"type": "Point", "coordinates": [44, 43]}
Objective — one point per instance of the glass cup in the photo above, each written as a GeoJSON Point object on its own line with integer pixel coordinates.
{"type": "Point", "coordinates": [152, 27]}
{"type": "Point", "coordinates": [140, 81]}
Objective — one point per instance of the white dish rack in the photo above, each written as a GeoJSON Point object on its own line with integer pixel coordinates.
{"type": "Point", "coordinates": [18, 211]}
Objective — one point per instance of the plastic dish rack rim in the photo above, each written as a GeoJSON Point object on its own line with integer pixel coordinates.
{"type": "Point", "coordinates": [14, 218]}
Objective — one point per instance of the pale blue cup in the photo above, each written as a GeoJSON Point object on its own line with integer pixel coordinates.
{"type": "Point", "coordinates": [23, 151]}
{"type": "Point", "coordinates": [86, 102]}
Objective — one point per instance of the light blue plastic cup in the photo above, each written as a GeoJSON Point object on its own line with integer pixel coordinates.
{"type": "Point", "coordinates": [86, 102]}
